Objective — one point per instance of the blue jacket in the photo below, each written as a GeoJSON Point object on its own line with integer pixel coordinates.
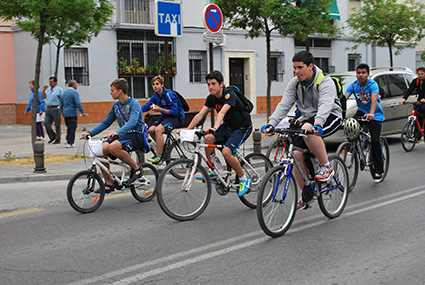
{"type": "Point", "coordinates": [70, 103]}
{"type": "Point", "coordinates": [168, 100]}
{"type": "Point", "coordinates": [41, 106]}
{"type": "Point", "coordinates": [133, 118]}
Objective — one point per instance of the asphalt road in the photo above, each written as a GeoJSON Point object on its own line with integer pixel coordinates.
{"type": "Point", "coordinates": [378, 239]}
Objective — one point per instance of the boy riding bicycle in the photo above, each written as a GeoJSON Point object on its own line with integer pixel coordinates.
{"type": "Point", "coordinates": [128, 138]}
{"type": "Point", "coordinates": [166, 102]}
{"type": "Point", "coordinates": [319, 104]}
{"type": "Point", "coordinates": [232, 126]}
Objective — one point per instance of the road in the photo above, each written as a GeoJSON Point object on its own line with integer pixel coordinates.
{"type": "Point", "coordinates": [378, 239]}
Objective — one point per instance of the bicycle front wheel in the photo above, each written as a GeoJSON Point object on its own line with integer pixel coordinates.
{"type": "Point", "coordinates": [187, 197]}
{"type": "Point", "coordinates": [385, 159]}
{"type": "Point", "coordinates": [175, 152]}
{"type": "Point", "coordinates": [143, 189]}
{"type": "Point", "coordinates": [277, 202]}
{"type": "Point", "coordinates": [81, 191]}
{"type": "Point", "coordinates": [349, 155]}
{"type": "Point", "coordinates": [333, 194]}
{"type": "Point", "coordinates": [408, 137]}
{"type": "Point", "coordinates": [258, 166]}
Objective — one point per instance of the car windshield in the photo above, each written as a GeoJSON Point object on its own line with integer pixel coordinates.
{"type": "Point", "coordinates": [346, 80]}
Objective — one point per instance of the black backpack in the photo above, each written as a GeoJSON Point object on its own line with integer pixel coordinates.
{"type": "Point", "coordinates": [248, 104]}
{"type": "Point", "coordinates": [340, 93]}
{"type": "Point", "coordinates": [183, 102]}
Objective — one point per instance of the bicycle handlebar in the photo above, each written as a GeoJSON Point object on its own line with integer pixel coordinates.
{"type": "Point", "coordinates": [294, 131]}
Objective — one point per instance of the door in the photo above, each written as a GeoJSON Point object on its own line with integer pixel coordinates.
{"type": "Point", "coordinates": [236, 73]}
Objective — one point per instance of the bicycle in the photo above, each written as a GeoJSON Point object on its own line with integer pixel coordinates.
{"type": "Point", "coordinates": [277, 199]}
{"type": "Point", "coordinates": [86, 192]}
{"type": "Point", "coordinates": [412, 131]}
{"type": "Point", "coordinates": [357, 151]}
{"type": "Point", "coordinates": [184, 197]}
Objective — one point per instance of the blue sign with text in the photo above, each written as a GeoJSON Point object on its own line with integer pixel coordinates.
{"type": "Point", "coordinates": [168, 19]}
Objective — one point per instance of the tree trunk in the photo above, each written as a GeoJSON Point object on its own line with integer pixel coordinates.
{"type": "Point", "coordinates": [390, 47]}
{"type": "Point", "coordinates": [269, 71]}
{"type": "Point", "coordinates": [58, 51]}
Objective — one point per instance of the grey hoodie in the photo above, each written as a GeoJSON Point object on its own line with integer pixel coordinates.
{"type": "Point", "coordinates": [312, 101]}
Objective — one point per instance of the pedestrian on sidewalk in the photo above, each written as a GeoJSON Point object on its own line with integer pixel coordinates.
{"type": "Point", "coordinates": [69, 106]}
{"type": "Point", "coordinates": [41, 109]}
{"type": "Point", "coordinates": [53, 97]}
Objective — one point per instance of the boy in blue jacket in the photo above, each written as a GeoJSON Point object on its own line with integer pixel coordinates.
{"type": "Point", "coordinates": [166, 102]}
{"type": "Point", "coordinates": [129, 116]}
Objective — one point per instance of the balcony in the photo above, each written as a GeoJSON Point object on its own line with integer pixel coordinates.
{"type": "Point", "coordinates": [135, 12]}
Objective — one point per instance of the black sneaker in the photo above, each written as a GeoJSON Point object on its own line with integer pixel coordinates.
{"type": "Point", "coordinates": [134, 174]}
{"type": "Point", "coordinates": [50, 141]}
{"type": "Point", "coordinates": [306, 194]}
{"type": "Point", "coordinates": [378, 177]}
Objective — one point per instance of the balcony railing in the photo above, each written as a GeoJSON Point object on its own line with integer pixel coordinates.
{"type": "Point", "coordinates": [135, 11]}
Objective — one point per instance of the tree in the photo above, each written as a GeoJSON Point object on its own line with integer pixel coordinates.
{"type": "Point", "coordinates": [40, 17]}
{"type": "Point", "coordinates": [392, 23]}
{"type": "Point", "coordinates": [299, 18]}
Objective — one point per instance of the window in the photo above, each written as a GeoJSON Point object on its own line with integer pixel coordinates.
{"type": "Point", "coordinates": [277, 66]}
{"type": "Point", "coordinates": [140, 58]}
{"type": "Point", "coordinates": [136, 11]}
{"type": "Point", "coordinates": [353, 6]}
{"type": "Point", "coordinates": [353, 61]}
{"type": "Point", "coordinates": [322, 63]}
{"type": "Point", "coordinates": [77, 65]}
{"type": "Point", "coordinates": [197, 66]}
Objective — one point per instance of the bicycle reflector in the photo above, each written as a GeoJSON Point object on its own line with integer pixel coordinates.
{"type": "Point", "coordinates": [351, 128]}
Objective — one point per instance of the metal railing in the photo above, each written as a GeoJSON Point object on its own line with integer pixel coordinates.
{"type": "Point", "coordinates": [135, 11]}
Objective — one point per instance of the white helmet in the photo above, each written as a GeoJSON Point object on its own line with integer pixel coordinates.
{"type": "Point", "coordinates": [351, 128]}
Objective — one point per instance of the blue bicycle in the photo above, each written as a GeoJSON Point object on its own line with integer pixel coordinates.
{"type": "Point", "coordinates": [277, 199]}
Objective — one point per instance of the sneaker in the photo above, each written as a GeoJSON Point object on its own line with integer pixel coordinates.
{"type": "Point", "coordinates": [244, 186]}
{"type": "Point", "coordinates": [67, 145]}
{"type": "Point", "coordinates": [210, 174]}
{"type": "Point", "coordinates": [306, 194]}
{"type": "Point", "coordinates": [56, 142]}
{"type": "Point", "coordinates": [154, 159]}
{"type": "Point", "coordinates": [378, 177]}
{"type": "Point", "coordinates": [134, 174]}
{"type": "Point", "coordinates": [50, 141]}
{"type": "Point", "coordinates": [325, 173]}
{"type": "Point", "coordinates": [301, 205]}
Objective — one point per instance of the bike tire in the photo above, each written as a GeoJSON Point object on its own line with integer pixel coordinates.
{"type": "Point", "coordinates": [349, 155]}
{"type": "Point", "coordinates": [80, 191]}
{"type": "Point", "coordinates": [276, 151]}
{"type": "Point", "coordinates": [408, 139]}
{"type": "Point", "coordinates": [261, 164]}
{"type": "Point", "coordinates": [143, 189]}
{"type": "Point", "coordinates": [277, 202]}
{"type": "Point", "coordinates": [180, 203]}
{"type": "Point", "coordinates": [386, 160]}
{"type": "Point", "coordinates": [333, 194]}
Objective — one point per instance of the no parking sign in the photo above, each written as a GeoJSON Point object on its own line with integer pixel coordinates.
{"type": "Point", "coordinates": [213, 18]}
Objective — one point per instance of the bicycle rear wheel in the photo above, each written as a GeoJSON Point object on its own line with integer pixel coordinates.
{"type": "Point", "coordinates": [349, 155]}
{"type": "Point", "coordinates": [176, 197]}
{"type": "Point", "coordinates": [143, 189]}
{"type": "Point", "coordinates": [277, 202]}
{"type": "Point", "coordinates": [385, 159]}
{"type": "Point", "coordinates": [333, 194]}
{"type": "Point", "coordinates": [408, 136]}
{"type": "Point", "coordinates": [175, 152]}
{"type": "Point", "coordinates": [259, 165]}
{"type": "Point", "coordinates": [80, 191]}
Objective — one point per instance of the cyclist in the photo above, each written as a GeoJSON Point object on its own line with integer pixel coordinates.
{"type": "Point", "coordinates": [128, 137]}
{"type": "Point", "coordinates": [166, 102]}
{"type": "Point", "coordinates": [366, 92]}
{"type": "Point", "coordinates": [418, 84]}
{"type": "Point", "coordinates": [321, 112]}
{"type": "Point", "coordinates": [232, 127]}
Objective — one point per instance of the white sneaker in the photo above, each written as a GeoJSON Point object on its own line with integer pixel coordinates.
{"type": "Point", "coordinates": [70, 145]}
{"type": "Point", "coordinates": [67, 145]}
{"type": "Point", "coordinates": [325, 173]}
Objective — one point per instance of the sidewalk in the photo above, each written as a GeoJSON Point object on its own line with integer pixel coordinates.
{"type": "Point", "coordinates": [17, 140]}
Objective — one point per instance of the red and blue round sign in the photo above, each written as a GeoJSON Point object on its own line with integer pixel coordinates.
{"type": "Point", "coordinates": [213, 18]}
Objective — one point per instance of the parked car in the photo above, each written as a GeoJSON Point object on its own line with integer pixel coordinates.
{"type": "Point", "coordinates": [393, 83]}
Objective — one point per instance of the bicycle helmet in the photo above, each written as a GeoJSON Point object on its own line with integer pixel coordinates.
{"type": "Point", "coordinates": [351, 128]}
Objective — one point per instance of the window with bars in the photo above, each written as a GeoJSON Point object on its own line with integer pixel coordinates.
{"type": "Point", "coordinates": [77, 65]}
{"type": "Point", "coordinates": [197, 66]}
{"type": "Point", "coordinates": [140, 58]}
{"type": "Point", "coordinates": [277, 66]}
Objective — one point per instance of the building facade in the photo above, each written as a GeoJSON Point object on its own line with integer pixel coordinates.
{"type": "Point", "coordinates": [129, 48]}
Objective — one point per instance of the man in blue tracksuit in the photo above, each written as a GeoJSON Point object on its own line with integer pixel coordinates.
{"type": "Point", "coordinates": [126, 111]}
{"type": "Point", "coordinates": [70, 104]}
{"type": "Point", "coordinates": [166, 102]}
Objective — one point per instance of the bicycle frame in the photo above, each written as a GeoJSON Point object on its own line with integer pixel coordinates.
{"type": "Point", "coordinates": [169, 140]}
{"type": "Point", "coordinates": [415, 115]}
{"type": "Point", "coordinates": [98, 161]}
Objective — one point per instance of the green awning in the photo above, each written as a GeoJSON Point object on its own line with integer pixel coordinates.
{"type": "Point", "coordinates": [334, 11]}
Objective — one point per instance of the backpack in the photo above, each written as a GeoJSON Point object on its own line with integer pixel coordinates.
{"type": "Point", "coordinates": [247, 103]}
{"type": "Point", "coordinates": [340, 93]}
{"type": "Point", "coordinates": [183, 102]}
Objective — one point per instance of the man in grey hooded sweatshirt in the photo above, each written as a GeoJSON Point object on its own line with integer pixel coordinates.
{"type": "Point", "coordinates": [321, 109]}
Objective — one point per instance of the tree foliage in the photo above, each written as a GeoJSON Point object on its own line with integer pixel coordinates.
{"type": "Point", "coordinates": [299, 18]}
{"type": "Point", "coordinates": [392, 23]}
